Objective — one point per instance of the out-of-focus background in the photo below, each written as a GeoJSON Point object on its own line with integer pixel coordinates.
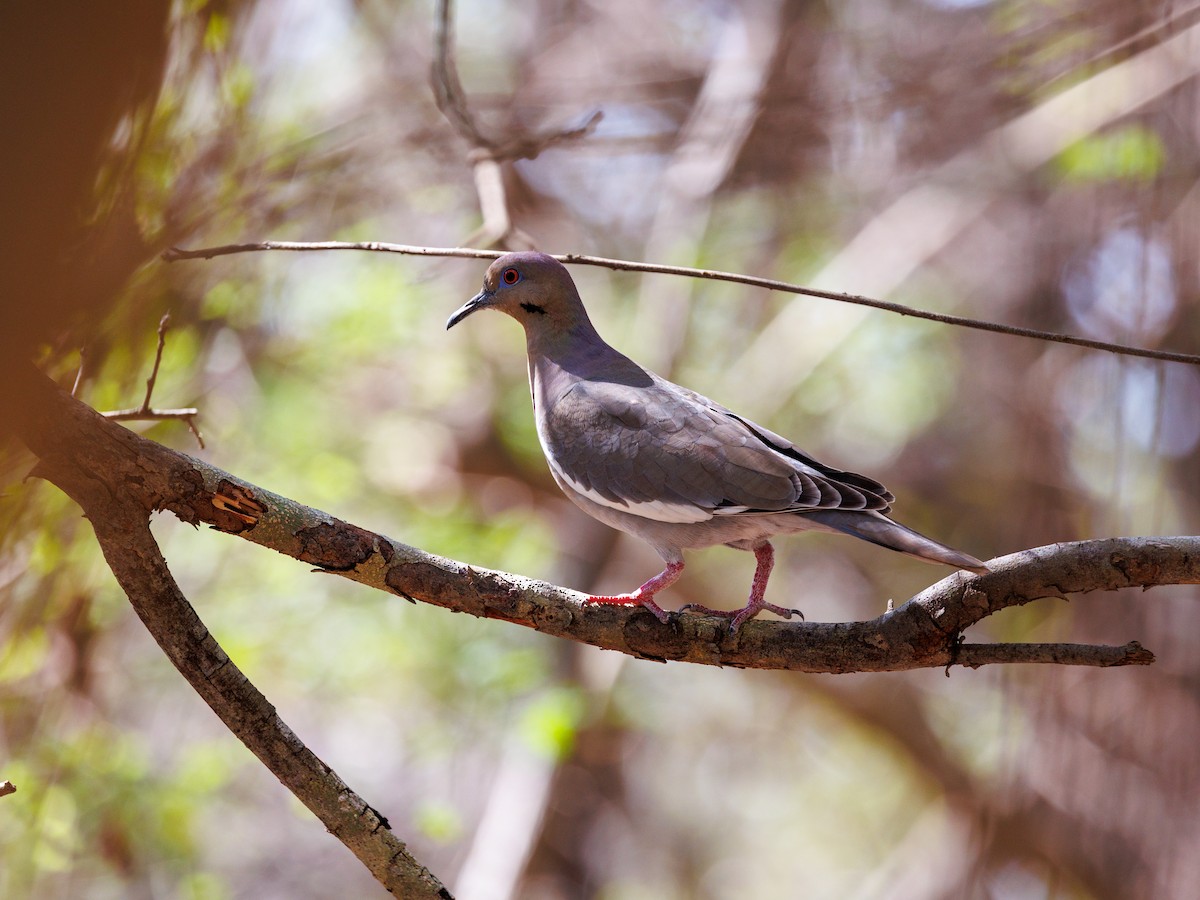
{"type": "Point", "coordinates": [1018, 161]}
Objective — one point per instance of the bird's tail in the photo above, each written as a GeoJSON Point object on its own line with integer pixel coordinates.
{"type": "Point", "coordinates": [878, 529]}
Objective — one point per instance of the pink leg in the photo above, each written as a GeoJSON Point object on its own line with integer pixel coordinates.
{"type": "Point", "coordinates": [765, 556]}
{"type": "Point", "coordinates": [644, 595]}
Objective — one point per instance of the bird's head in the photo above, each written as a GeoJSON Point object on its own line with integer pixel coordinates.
{"type": "Point", "coordinates": [533, 288]}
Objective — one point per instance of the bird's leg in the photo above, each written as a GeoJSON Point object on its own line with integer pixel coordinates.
{"type": "Point", "coordinates": [765, 556]}
{"type": "Point", "coordinates": [644, 595]}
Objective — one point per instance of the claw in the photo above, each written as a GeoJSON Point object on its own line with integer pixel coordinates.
{"type": "Point", "coordinates": [752, 609]}
{"type": "Point", "coordinates": [765, 555]}
{"type": "Point", "coordinates": [739, 617]}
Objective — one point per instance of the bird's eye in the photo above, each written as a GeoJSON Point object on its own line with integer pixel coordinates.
{"type": "Point", "coordinates": [510, 276]}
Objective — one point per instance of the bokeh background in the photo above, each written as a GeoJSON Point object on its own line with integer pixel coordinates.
{"type": "Point", "coordinates": [1018, 161]}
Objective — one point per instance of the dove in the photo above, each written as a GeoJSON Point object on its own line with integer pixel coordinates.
{"type": "Point", "coordinates": [664, 463]}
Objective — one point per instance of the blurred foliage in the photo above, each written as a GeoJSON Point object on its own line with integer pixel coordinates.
{"type": "Point", "coordinates": [329, 378]}
{"type": "Point", "coordinates": [1133, 153]}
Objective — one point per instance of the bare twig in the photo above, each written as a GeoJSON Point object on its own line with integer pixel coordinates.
{"type": "Point", "coordinates": [145, 413]}
{"type": "Point", "coordinates": [137, 413]}
{"type": "Point", "coordinates": [447, 89]}
{"type": "Point", "coordinates": [531, 147]}
{"type": "Point", "coordinates": [79, 372]}
{"type": "Point", "coordinates": [163, 324]}
{"type": "Point", "coordinates": [6, 788]}
{"type": "Point", "coordinates": [176, 253]}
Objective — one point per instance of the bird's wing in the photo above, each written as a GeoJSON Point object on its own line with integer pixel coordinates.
{"type": "Point", "coordinates": [869, 486]}
{"type": "Point", "coordinates": [669, 454]}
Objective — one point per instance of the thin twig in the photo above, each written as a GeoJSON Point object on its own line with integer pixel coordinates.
{"type": "Point", "coordinates": [447, 89]}
{"type": "Point", "coordinates": [146, 413]}
{"type": "Point", "coordinates": [175, 253]}
{"type": "Point", "coordinates": [79, 373]}
{"type": "Point", "coordinates": [532, 147]}
{"type": "Point", "coordinates": [163, 324]}
{"type": "Point", "coordinates": [191, 424]}
{"type": "Point", "coordinates": [187, 415]}
{"type": "Point", "coordinates": [128, 415]}
{"type": "Point", "coordinates": [6, 788]}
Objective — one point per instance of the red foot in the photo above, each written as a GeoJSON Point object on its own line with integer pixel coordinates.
{"type": "Point", "coordinates": [765, 556]}
{"type": "Point", "coordinates": [644, 596]}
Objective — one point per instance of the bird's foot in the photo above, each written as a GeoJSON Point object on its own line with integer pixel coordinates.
{"type": "Point", "coordinates": [738, 617]}
{"type": "Point", "coordinates": [644, 596]}
{"type": "Point", "coordinates": [637, 598]}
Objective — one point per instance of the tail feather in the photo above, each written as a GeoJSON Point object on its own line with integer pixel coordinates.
{"type": "Point", "coordinates": [879, 529]}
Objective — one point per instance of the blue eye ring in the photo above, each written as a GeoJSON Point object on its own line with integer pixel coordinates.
{"type": "Point", "coordinates": [510, 276]}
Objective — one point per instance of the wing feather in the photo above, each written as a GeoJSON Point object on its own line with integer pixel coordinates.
{"type": "Point", "coordinates": [669, 454]}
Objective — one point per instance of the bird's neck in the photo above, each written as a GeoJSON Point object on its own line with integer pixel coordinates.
{"type": "Point", "coordinates": [556, 365]}
{"type": "Point", "coordinates": [566, 342]}
{"type": "Point", "coordinates": [560, 357]}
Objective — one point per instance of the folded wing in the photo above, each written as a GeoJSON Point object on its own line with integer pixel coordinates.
{"type": "Point", "coordinates": [669, 454]}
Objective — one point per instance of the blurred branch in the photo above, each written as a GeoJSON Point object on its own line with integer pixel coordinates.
{"type": "Point", "coordinates": [145, 412]}
{"type": "Point", "coordinates": [1154, 33]}
{"type": "Point", "coordinates": [486, 154]}
{"type": "Point", "coordinates": [922, 633]}
{"type": "Point", "coordinates": [925, 219]}
{"type": "Point", "coordinates": [116, 477]}
{"type": "Point", "coordinates": [722, 116]}
{"type": "Point", "coordinates": [989, 821]}
{"type": "Point", "coordinates": [175, 254]}
{"type": "Point", "coordinates": [975, 655]}
{"type": "Point", "coordinates": [452, 101]}
{"type": "Point", "coordinates": [6, 788]}
{"type": "Point", "coordinates": [447, 89]}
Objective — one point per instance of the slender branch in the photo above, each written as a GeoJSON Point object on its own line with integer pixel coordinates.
{"type": "Point", "coordinates": [163, 324]}
{"type": "Point", "coordinates": [175, 254]}
{"type": "Point", "coordinates": [6, 788]}
{"type": "Point", "coordinates": [975, 655]}
{"type": "Point", "coordinates": [145, 413]}
{"type": "Point", "coordinates": [79, 371]}
{"type": "Point", "coordinates": [140, 413]}
{"type": "Point", "coordinates": [533, 146]}
{"type": "Point", "coordinates": [922, 633]}
{"type": "Point", "coordinates": [448, 93]}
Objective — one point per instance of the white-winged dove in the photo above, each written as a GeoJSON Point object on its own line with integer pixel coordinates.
{"type": "Point", "coordinates": [665, 464]}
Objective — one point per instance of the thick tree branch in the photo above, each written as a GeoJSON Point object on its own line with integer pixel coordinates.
{"type": "Point", "coordinates": [922, 633]}
{"type": "Point", "coordinates": [74, 444]}
{"type": "Point", "coordinates": [176, 253]}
